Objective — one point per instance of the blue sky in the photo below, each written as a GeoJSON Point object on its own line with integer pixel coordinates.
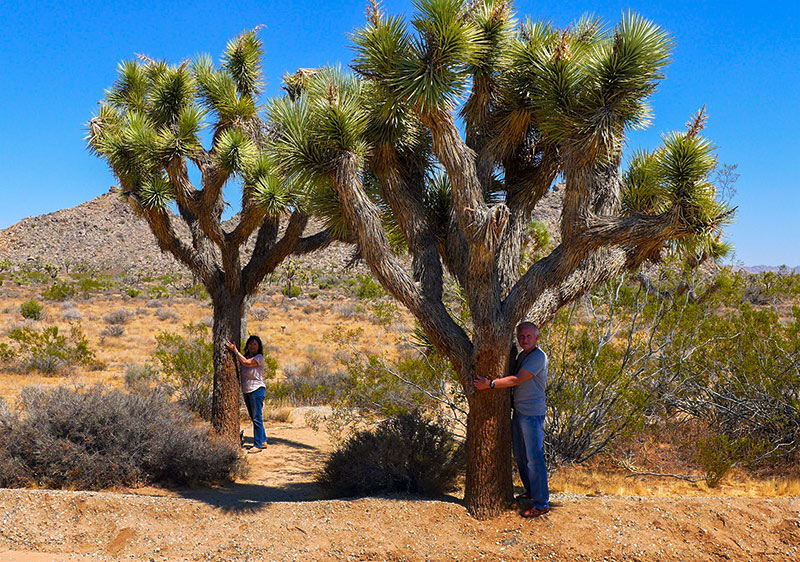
{"type": "Point", "coordinates": [738, 58]}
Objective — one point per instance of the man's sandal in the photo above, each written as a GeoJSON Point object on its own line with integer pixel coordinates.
{"type": "Point", "coordinates": [523, 496]}
{"type": "Point", "coordinates": [534, 512]}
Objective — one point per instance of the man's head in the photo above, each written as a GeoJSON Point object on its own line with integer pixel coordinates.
{"type": "Point", "coordinates": [528, 335]}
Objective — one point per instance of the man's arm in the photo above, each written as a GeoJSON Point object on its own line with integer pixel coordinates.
{"type": "Point", "coordinates": [482, 383]}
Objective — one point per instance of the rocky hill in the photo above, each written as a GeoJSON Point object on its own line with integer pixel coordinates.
{"type": "Point", "coordinates": [106, 234]}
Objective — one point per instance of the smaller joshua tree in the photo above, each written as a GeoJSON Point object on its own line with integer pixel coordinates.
{"type": "Point", "coordinates": [148, 128]}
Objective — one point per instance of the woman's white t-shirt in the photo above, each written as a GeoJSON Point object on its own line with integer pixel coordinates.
{"type": "Point", "coordinates": [253, 377]}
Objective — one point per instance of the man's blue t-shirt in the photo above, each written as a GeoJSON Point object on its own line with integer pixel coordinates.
{"type": "Point", "coordinates": [529, 395]}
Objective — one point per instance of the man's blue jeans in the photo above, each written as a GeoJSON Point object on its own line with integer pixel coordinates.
{"type": "Point", "coordinates": [528, 439]}
{"type": "Point", "coordinates": [255, 405]}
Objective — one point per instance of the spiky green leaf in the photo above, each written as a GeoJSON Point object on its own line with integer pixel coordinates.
{"type": "Point", "coordinates": [155, 193]}
{"type": "Point", "coordinates": [271, 195]}
{"type": "Point", "coordinates": [235, 151]}
{"type": "Point", "coordinates": [242, 60]}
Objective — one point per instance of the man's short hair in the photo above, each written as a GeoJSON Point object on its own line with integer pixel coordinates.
{"type": "Point", "coordinates": [527, 325]}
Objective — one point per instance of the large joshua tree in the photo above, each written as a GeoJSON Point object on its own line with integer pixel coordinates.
{"type": "Point", "coordinates": [148, 128]}
{"type": "Point", "coordinates": [538, 101]}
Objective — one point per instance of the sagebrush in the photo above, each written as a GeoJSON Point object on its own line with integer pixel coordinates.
{"type": "Point", "coordinates": [95, 438]}
{"type": "Point", "coordinates": [405, 454]}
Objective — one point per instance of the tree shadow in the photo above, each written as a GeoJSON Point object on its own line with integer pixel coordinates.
{"type": "Point", "coordinates": [250, 498]}
{"type": "Point", "coordinates": [242, 498]}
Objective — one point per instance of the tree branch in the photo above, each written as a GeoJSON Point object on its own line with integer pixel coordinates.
{"type": "Point", "coordinates": [268, 254]}
{"type": "Point", "coordinates": [195, 201]}
{"type": "Point", "coordinates": [589, 190]}
{"type": "Point", "coordinates": [482, 225]}
{"type": "Point", "coordinates": [168, 241]}
{"type": "Point", "coordinates": [576, 266]}
{"type": "Point", "coordinates": [365, 219]}
{"type": "Point", "coordinates": [318, 241]}
{"type": "Point", "coordinates": [249, 219]}
{"type": "Point", "coordinates": [409, 211]}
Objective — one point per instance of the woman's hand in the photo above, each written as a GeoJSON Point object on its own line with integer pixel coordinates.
{"type": "Point", "coordinates": [232, 346]}
{"type": "Point", "coordinates": [481, 383]}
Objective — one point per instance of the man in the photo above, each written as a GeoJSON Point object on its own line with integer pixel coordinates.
{"type": "Point", "coordinates": [528, 421]}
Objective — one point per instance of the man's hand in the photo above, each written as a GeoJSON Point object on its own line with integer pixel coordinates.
{"type": "Point", "coordinates": [481, 383]}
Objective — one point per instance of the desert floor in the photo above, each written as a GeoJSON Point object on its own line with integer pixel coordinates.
{"type": "Point", "coordinates": [276, 512]}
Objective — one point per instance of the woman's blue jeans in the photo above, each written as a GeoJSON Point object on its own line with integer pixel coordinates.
{"type": "Point", "coordinates": [255, 406]}
{"type": "Point", "coordinates": [528, 438]}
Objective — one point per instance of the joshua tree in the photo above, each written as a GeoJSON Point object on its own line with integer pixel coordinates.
{"type": "Point", "coordinates": [387, 144]}
{"type": "Point", "coordinates": [149, 127]}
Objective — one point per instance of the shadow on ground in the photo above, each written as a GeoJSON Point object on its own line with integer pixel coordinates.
{"type": "Point", "coordinates": [253, 497]}
{"type": "Point", "coordinates": [290, 443]}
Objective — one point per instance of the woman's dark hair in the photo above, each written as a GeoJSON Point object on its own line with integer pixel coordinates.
{"type": "Point", "coordinates": [260, 346]}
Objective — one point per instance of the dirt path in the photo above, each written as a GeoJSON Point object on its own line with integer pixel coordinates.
{"type": "Point", "coordinates": [275, 514]}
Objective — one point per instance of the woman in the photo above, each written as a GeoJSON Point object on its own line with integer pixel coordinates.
{"type": "Point", "coordinates": [253, 387]}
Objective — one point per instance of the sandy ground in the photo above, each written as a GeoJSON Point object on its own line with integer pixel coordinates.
{"type": "Point", "coordinates": [276, 514]}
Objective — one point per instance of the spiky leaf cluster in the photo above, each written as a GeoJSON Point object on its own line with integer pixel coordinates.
{"type": "Point", "coordinates": [428, 69]}
{"type": "Point", "coordinates": [586, 85]}
{"type": "Point", "coordinates": [155, 112]}
{"type": "Point", "coordinates": [326, 121]}
{"type": "Point", "coordinates": [675, 178]}
{"type": "Point", "coordinates": [494, 20]}
{"type": "Point", "coordinates": [332, 115]}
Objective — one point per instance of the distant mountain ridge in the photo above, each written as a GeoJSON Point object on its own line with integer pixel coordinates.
{"type": "Point", "coordinates": [766, 268]}
{"type": "Point", "coordinates": [106, 233]}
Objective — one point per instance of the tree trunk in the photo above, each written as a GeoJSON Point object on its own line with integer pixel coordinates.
{"type": "Point", "coordinates": [489, 484]}
{"type": "Point", "coordinates": [225, 402]}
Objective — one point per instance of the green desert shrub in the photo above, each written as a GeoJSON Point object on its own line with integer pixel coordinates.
{"type": "Point", "coordinates": [141, 376]}
{"type": "Point", "coordinates": [716, 456]}
{"type": "Point", "coordinates": [58, 291]}
{"type": "Point", "coordinates": [98, 438]}
{"type": "Point", "coordinates": [367, 288]}
{"type": "Point", "coordinates": [270, 367]}
{"type": "Point", "coordinates": [47, 350]}
{"type": "Point", "coordinates": [186, 367]}
{"type": "Point", "coordinates": [310, 383]}
{"type": "Point", "coordinates": [304, 385]}
{"type": "Point", "coordinates": [291, 291]}
{"type": "Point", "coordinates": [158, 291]}
{"type": "Point", "coordinates": [405, 454]}
{"type": "Point", "coordinates": [31, 310]}
{"type": "Point", "coordinates": [93, 282]}
{"type": "Point", "coordinates": [747, 385]}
